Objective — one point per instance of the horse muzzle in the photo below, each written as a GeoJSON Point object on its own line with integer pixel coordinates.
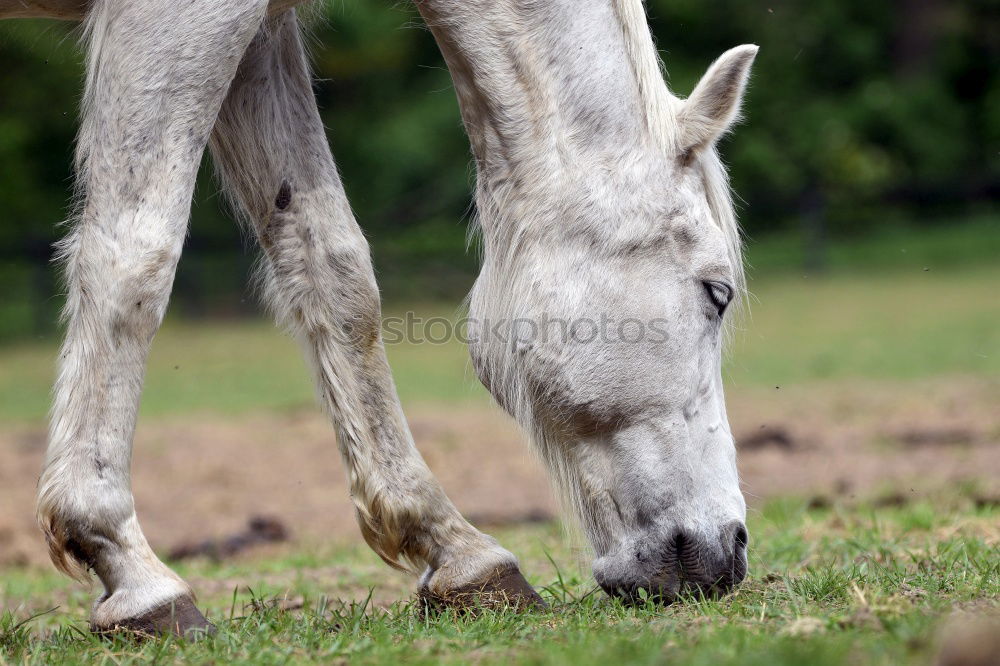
{"type": "Point", "coordinates": [675, 562]}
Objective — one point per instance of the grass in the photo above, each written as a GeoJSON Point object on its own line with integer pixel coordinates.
{"type": "Point", "coordinates": [843, 584]}
{"type": "Point", "coordinates": [903, 325]}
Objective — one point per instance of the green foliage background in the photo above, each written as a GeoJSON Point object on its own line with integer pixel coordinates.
{"type": "Point", "coordinates": [862, 116]}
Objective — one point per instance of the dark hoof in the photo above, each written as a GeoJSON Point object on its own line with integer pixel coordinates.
{"type": "Point", "coordinates": [179, 617]}
{"type": "Point", "coordinates": [506, 588]}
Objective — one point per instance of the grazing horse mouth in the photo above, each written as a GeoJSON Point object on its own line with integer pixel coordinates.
{"type": "Point", "coordinates": [688, 566]}
{"type": "Point", "coordinates": [697, 574]}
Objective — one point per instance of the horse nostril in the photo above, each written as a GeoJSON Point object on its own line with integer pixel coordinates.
{"type": "Point", "coordinates": [739, 567]}
{"type": "Point", "coordinates": [742, 538]}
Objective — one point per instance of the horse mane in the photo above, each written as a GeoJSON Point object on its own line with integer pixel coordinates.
{"type": "Point", "coordinates": [720, 202]}
{"type": "Point", "coordinates": [661, 108]}
{"type": "Point", "coordinates": [660, 105]}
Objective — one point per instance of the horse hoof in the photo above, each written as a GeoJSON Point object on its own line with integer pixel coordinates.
{"type": "Point", "coordinates": [505, 589]}
{"type": "Point", "coordinates": [179, 617]}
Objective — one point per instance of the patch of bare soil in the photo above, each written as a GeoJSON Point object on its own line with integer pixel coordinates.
{"type": "Point", "coordinates": [863, 439]}
{"type": "Point", "coordinates": [970, 638]}
{"type": "Point", "coordinates": [198, 480]}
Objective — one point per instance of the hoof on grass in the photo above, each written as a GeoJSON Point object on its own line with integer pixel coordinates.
{"type": "Point", "coordinates": [178, 616]}
{"type": "Point", "coordinates": [505, 589]}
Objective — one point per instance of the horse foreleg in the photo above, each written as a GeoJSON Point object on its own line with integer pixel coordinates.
{"type": "Point", "coordinates": [157, 72]}
{"type": "Point", "coordinates": [271, 150]}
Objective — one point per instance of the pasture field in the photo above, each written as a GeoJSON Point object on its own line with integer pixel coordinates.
{"type": "Point", "coordinates": [848, 583]}
{"type": "Point", "coordinates": [864, 405]}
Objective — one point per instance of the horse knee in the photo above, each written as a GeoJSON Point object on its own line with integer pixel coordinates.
{"type": "Point", "coordinates": [322, 280]}
{"type": "Point", "coordinates": [353, 295]}
{"type": "Point", "coordinates": [126, 287]}
{"type": "Point", "coordinates": [342, 299]}
{"type": "Point", "coordinates": [141, 295]}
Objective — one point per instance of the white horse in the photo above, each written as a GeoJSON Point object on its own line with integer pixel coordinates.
{"type": "Point", "coordinates": [601, 199]}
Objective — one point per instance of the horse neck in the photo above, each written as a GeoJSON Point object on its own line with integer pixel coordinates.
{"type": "Point", "coordinates": [550, 87]}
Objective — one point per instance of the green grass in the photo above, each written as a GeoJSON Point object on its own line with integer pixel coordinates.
{"type": "Point", "coordinates": [847, 584]}
{"type": "Point", "coordinates": [902, 325]}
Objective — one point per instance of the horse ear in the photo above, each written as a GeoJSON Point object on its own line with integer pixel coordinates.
{"type": "Point", "coordinates": [715, 103]}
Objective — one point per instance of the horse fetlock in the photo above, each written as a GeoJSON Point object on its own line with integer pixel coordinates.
{"type": "Point", "coordinates": [73, 548]}
{"type": "Point", "coordinates": [78, 540]}
{"type": "Point", "coordinates": [113, 548]}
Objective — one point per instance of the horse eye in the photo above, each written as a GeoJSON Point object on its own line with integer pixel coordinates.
{"type": "Point", "coordinates": [720, 293]}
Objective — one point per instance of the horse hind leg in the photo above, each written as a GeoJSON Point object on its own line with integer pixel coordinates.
{"type": "Point", "coordinates": [157, 73]}
{"type": "Point", "coordinates": [271, 151]}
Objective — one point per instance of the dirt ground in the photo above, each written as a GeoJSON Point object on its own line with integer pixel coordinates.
{"type": "Point", "coordinates": [199, 478]}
